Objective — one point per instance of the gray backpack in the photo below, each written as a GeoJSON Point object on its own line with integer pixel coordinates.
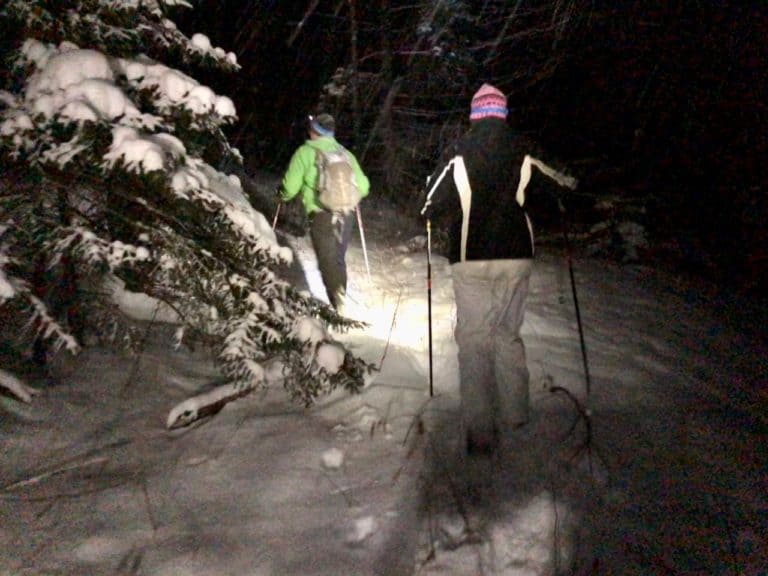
{"type": "Point", "coordinates": [337, 189]}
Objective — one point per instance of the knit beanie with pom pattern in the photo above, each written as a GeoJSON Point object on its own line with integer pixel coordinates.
{"type": "Point", "coordinates": [488, 102]}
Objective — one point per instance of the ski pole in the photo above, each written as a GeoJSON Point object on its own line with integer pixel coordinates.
{"type": "Point", "coordinates": [575, 297]}
{"type": "Point", "coordinates": [277, 213]}
{"type": "Point", "coordinates": [429, 299]}
{"type": "Point", "coordinates": [362, 242]}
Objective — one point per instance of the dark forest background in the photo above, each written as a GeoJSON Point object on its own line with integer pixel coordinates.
{"type": "Point", "coordinates": [657, 107]}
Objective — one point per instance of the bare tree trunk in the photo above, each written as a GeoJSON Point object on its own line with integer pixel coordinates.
{"type": "Point", "coordinates": [313, 4]}
{"type": "Point", "coordinates": [354, 65]}
{"type": "Point", "coordinates": [387, 132]}
{"type": "Point", "coordinates": [384, 125]}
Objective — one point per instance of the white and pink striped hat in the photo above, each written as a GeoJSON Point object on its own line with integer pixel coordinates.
{"type": "Point", "coordinates": [488, 102]}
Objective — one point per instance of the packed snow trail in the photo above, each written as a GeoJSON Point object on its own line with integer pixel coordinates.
{"type": "Point", "coordinates": [673, 480]}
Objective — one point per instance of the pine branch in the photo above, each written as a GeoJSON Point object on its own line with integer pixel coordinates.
{"type": "Point", "coordinates": [16, 387]}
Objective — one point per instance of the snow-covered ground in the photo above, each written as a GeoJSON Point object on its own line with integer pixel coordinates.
{"type": "Point", "coordinates": [664, 474]}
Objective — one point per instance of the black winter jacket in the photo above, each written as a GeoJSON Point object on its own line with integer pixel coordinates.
{"type": "Point", "coordinates": [498, 225]}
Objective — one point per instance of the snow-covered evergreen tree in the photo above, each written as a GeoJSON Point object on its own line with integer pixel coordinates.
{"type": "Point", "coordinates": [108, 187]}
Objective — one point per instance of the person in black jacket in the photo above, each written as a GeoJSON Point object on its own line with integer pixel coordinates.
{"type": "Point", "coordinates": [480, 188]}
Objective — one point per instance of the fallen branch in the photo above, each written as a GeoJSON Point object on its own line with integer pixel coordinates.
{"type": "Point", "coordinates": [584, 415]}
{"type": "Point", "coordinates": [471, 535]}
{"type": "Point", "coordinates": [204, 405]}
{"type": "Point", "coordinates": [418, 423]}
{"type": "Point", "coordinates": [418, 420]}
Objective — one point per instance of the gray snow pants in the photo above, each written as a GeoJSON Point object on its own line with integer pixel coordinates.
{"type": "Point", "coordinates": [330, 235]}
{"type": "Point", "coordinates": [490, 304]}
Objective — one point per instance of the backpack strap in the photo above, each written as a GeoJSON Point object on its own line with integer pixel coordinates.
{"type": "Point", "coordinates": [461, 179]}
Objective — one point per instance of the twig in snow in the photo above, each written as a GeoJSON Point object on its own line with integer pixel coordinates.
{"type": "Point", "coordinates": [150, 514]}
{"type": "Point", "coordinates": [391, 328]}
{"type": "Point", "coordinates": [418, 423]}
{"type": "Point", "coordinates": [463, 512]}
{"type": "Point", "coordinates": [418, 420]}
{"type": "Point", "coordinates": [60, 495]}
{"type": "Point", "coordinates": [382, 423]}
{"type": "Point", "coordinates": [45, 509]}
{"type": "Point", "coordinates": [411, 450]}
{"type": "Point", "coordinates": [584, 415]}
{"type": "Point", "coordinates": [470, 536]}
{"type": "Point", "coordinates": [44, 475]}
{"type": "Point", "coordinates": [348, 499]}
{"type": "Point", "coordinates": [130, 564]}
{"type": "Point", "coordinates": [68, 464]}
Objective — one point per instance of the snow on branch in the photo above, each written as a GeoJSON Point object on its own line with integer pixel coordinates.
{"type": "Point", "coordinates": [45, 325]}
{"type": "Point", "coordinates": [7, 289]}
{"type": "Point", "coordinates": [16, 387]}
{"type": "Point", "coordinates": [48, 328]}
{"type": "Point", "coordinates": [96, 250]}
{"type": "Point", "coordinates": [106, 144]}
{"type": "Point", "coordinates": [146, 26]}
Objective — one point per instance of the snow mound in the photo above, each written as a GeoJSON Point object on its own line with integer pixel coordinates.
{"type": "Point", "coordinates": [332, 459]}
{"type": "Point", "coordinates": [362, 529]}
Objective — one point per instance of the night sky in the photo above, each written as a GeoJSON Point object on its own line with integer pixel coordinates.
{"type": "Point", "coordinates": [662, 104]}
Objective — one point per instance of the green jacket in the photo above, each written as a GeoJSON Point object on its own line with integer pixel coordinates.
{"type": "Point", "coordinates": [301, 176]}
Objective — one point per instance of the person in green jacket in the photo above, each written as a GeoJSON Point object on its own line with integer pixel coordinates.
{"type": "Point", "coordinates": [330, 231]}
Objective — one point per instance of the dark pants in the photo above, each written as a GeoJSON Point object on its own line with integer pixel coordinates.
{"type": "Point", "coordinates": [330, 235]}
